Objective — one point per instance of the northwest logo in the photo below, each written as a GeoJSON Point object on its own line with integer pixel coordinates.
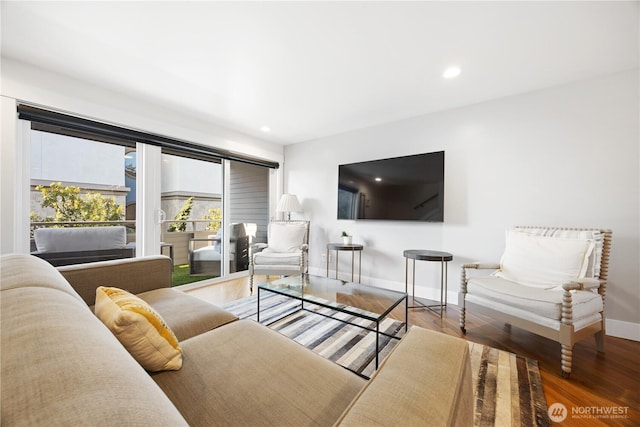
{"type": "Point", "coordinates": [557, 412]}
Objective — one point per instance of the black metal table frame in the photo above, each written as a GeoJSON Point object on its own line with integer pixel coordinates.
{"type": "Point", "coordinates": [443, 258]}
{"type": "Point", "coordinates": [353, 248]}
{"type": "Point", "coordinates": [341, 310]}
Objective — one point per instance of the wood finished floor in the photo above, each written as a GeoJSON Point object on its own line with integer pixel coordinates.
{"type": "Point", "coordinates": [598, 380]}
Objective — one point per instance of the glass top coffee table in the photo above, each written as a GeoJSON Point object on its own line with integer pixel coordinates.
{"type": "Point", "coordinates": [344, 297]}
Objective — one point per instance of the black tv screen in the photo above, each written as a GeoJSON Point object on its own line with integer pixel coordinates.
{"type": "Point", "coordinates": [401, 188]}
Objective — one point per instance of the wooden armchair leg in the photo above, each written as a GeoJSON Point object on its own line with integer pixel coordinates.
{"type": "Point", "coordinates": [567, 358]}
{"type": "Point", "coordinates": [463, 320]}
{"type": "Point", "coordinates": [600, 341]}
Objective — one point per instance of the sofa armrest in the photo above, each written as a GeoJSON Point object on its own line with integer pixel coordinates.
{"type": "Point", "coordinates": [135, 275]}
{"type": "Point", "coordinates": [426, 380]}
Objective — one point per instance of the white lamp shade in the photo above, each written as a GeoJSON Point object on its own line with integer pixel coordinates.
{"type": "Point", "coordinates": [289, 203]}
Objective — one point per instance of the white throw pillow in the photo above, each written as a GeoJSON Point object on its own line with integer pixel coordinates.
{"type": "Point", "coordinates": [593, 269]}
{"type": "Point", "coordinates": [544, 262]}
{"type": "Point", "coordinates": [286, 237]}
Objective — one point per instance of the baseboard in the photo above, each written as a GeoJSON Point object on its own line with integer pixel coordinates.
{"type": "Point", "coordinates": [621, 329]}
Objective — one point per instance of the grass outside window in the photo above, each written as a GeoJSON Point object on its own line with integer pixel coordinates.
{"type": "Point", "coordinates": [181, 276]}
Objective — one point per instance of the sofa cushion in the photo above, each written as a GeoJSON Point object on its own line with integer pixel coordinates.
{"type": "Point", "coordinates": [543, 302]}
{"type": "Point", "coordinates": [60, 365]}
{"type": "Point", "coordinates": [186, 315]}
{"type": "Point", "coordinates": [245, 374]}
{"type": "Point", "coordinates": [80, 238]}
{"type": "Point", "coordinates": [445, 394]}
{"type": "Point", "coordinates": [543, 261]}
{"type": "Point", "coordinates": [139, 328]}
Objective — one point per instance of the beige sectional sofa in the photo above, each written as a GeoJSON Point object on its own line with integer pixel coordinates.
{"type": "Point", "coordinates": [61, 366]}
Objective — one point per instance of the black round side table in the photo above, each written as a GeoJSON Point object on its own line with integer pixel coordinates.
{"type": "Point", "coordinates": [426, 255]}
{"type": "Point", "coordinates": [353, 248]}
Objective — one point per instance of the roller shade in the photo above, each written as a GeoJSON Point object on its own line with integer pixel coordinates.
{"type": "Point", "coordinates": [89, 129]}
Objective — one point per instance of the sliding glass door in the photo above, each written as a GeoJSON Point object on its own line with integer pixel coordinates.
{"type": "Point", "coordinates": [192, 202]}
{"type": "Point", "coordinates": [80, 199]}
{"type": "Point", "coordinates": [213, 212]}
{"type": "Point", "coordinates": [135, 194]}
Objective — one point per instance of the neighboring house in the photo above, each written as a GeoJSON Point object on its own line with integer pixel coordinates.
{"type": "Point", "coordinates": [110, 170]}
{"type": "Point", "coordinates": [92, 166]}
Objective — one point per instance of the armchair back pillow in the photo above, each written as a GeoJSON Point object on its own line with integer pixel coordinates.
{"type": "Point", "coordinates": [593, 269]}
{"type": "Point", "coordinates": [286, 237]}
{"type": "Point", "coordinates": [544, 262]}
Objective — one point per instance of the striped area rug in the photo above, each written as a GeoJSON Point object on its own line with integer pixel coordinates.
{"type": "Point", "coordinates": [508, 387]}
{"type": "Point", "coordinates": [349, 346]}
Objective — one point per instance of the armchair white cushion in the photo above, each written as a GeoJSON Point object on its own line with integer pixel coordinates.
{"type": "Point", "coordinates": [538, 302]}
{"type": "Point", "coordinates": [269, 257]}
{"type": "Point", "coordinates": [543, 261]}
{"type": "Point", "coordinates": [284, 254]}
{"type": "Point", "coordinates": [550, 281]}
{"type": "Point", "coordinates": [286, 236]}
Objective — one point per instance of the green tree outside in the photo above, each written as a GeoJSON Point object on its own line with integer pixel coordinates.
{"type": "Point", "coordinates": [215, 216]}
{"type": "Point", "coordinates": [182, 216]}
{"type": "Point", "coordinates": [70, 206]}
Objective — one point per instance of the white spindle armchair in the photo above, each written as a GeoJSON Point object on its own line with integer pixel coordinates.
{"type": "Point", "coordinates": [551, 281]}
{"type": "Point", "coordinates": [286, 252]}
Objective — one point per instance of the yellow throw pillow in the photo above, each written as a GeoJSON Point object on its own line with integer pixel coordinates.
{"type": "Point", "coordinates": [139, 328]}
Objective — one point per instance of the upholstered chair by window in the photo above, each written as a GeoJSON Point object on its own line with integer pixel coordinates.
{"type": "Point", "coordinates": [284, 254]}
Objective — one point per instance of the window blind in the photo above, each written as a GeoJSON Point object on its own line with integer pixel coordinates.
{"type": "Point", "coordinates": [89, 129]}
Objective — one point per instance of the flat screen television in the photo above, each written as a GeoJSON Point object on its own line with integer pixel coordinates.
{"type": "Point", "coordinates": [401, 188]}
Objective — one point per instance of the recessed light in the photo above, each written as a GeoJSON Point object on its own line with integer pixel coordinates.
{"type": "Point", "coordinates": [378, 179]}
{"type": "Point", "coordinates": [265, 129]}
{"type": "Point", "coordinates": [451, 72]}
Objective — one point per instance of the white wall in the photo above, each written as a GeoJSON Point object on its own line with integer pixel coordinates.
{"type": "Point", "coordinates": [39, 87]}
{"type": "Point", "coordinates": [14, 170]}
{"type": "Point", "coordinates": [565, 156]}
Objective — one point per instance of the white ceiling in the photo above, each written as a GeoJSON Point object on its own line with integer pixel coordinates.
{"type": "Point", "coordinates": [313, 69]}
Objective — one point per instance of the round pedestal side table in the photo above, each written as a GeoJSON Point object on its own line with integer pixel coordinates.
{"type": "Point", "coordinates": [434, 256]}
{"type": "Point", "coordinates": [353, 248]}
